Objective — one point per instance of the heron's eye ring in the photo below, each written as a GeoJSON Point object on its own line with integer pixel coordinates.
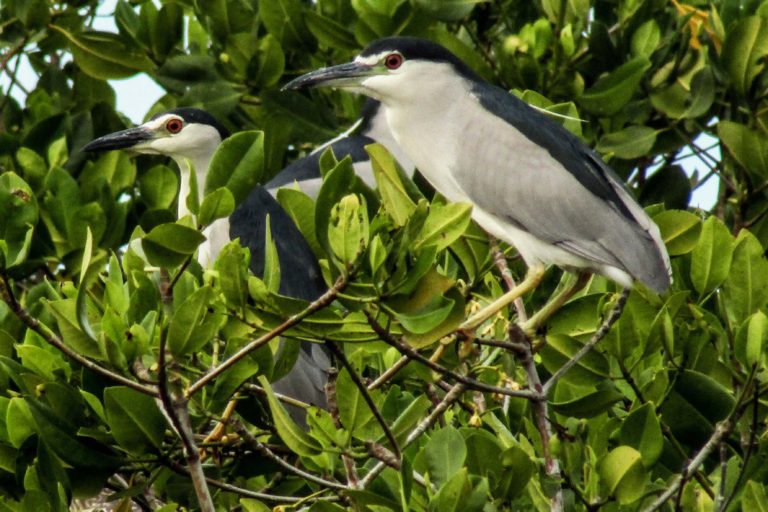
{"type": "Point", "coordinates": [393, 60]}
{"type": "Point", "coordinates": [174, 125]}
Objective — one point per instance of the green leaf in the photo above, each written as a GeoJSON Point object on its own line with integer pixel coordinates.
{"type": "Point", "coordinates": [751, 340]}
{"type": "Point", "coordinates": [641, 430]}
{"type": "Point", "coordinates": [354, 412]}
{"type": "Point", "coordinates": [238, 164]}
{"type": "Point", "coordinates": [158, 187]}
{"type": "Point", "coordinates": [192, 324]}
{"type": "Point", "coordinates": [622, 473]}
{"type": "Point", "coordinates": [337, 183]}
{"type": "Point", "coordinates": [18, 422]}
{"type": "Point", "coordinates": [646, 39]}
{"type": "Point", "coordinates": [329, 33]}
{"type": "Point", "coordinates": [680, 230]}
{"type": "Point", "coordinates": [168, 245]}
{"type": "Point", "coordinates": [744, 50]}
{"type": "Point", "coordinates": [134, 419]}
{"type": "Point", "coordinates": [448, 10]}
{"type": "Point", "coordinates": [348, 229]}
{"type": "Point", "coordinates": [746, 288]}
{"type": "Point", "coordinates": [453, 495]}
{"type": "Point", "coordinates": [711, 258]}
{"type": "Point", "coordinates": [301, 209]}
{"type": "Point", "coordinates": [444, 225]}
{"type": "Point", "coordinates": [18, 217]}
{"type": "Point", "coordinates": [611, 92]}
{"type": "Point", "coordinates": [428, 317]}
{"type": "Point", "coordinates": [444, 454]}
{"type": "Point", "coordinates": [395, 199]}
{"type": "Point", "coordinates": [267, 66]}
{"type": "Point", "coordinates": [628, 143]}
{"type": "Point", "coordinates": [65, 312]}
{"type": "Point", "coordinates": [42, 362]}
{"type": "Point", "coordinates": [233, 275]}
{"type": "Point", "coordinates": [589, 405]}
{"type": "Point", "coordinates": [272, 271]}
{"type": "Point", "coordinates": [749, 147]}
{"type": "Point", "coordinates": [754, 497]}
{"type": "Point", "coordinates": [292, 435]}
{"type": "Point", "coordinates": [590, 370]}
{"type": "Point", "coordinates": [218, 204]}
{"type": "Point", "coordinates": [104, 55]}
{"type": "Point", "coordinates": [284, 19]}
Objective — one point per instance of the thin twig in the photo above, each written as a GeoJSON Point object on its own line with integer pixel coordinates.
{"type": "Point", "coordinates": [722, 430]}
{"type": "Point", "coordinates": [265, 451]}
{"type": "Point", "coordinates": [177, 411]}
{"type": "Point", "coordinates": [52, 339]}
{"type": "Point", "coordinates": [387, 375]}
{"type": "Point", "coordinates": [179, 468]}
{"type": "Point", "coordinates": [10, 53]}
{"type": "Point", "coordinates": [405, 349]}
{"type": "Point", "coordinates": [339, 353]}
{"type": "Point", "coordinates": [541, 415]}
{"type": "Point", "coordinates": [613, 317]}
{"type": "Point", "coordinates": [450, 397]}
{"type": "Point", "coordinates": [323, 301]}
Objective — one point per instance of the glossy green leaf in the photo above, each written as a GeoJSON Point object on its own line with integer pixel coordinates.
{"type": "Point", "coordinates": [754, 497]}
{"type": "Point", "coordinates": [751, 340]}
{"type": "Point", "coordinates": [194, 323]}
{"type": "Point", "coordinates": [394, 197]}
{"type": "Point", "coordinates": [348, 230]}
{"type": "Point", "coordinates": [238, 164]}
{"type": "Point", "coordinates": [680, 230]}
{"type": "Point", "coordinates": [611, 92]}
{"type": "Point", "coordinates": [330, 33]}
{"type": "Point", "coordinates": [445, 453]}
{"type": "Point", "coordinates": [159, 186]}
{"type": "Point", "coordinates": [621, 472]}
{"type": "Point", "coordinates": [104, 55]}
{"type": "Point", "coordinates": [18, 217]}
{"type": "Point", "coordinates": [744, 49]}
{"type": "Point", "coordinates": [641, 430]}
{"type": "Point", "coordinates": [749, 147]}
{"type": "Point", "coordinates": [168, 245]}
{"type": "Point", "coordinates": [711, 257]}
{"type": "Point", "coordinates": [217, 205]}
{"type": "Point", "coordinates": [590, 370]}
{"type": "Point", "coordinates": [746, 288]}
{"type": "Point", "coordinates": [292, 435]}
{"type": "Point", "coordinates": [589, 405]}
{"type": "Point", "coordinates": [284, 19]}
{"type": "Point", "coordinates": [628, 143]}
{"type": "Point", "coordinates": [646, 39]}
{"type": "Point", "coordinates": [444, 225]}
{"type": "Point", "coordinates": [134, 419]}
{"type": "Point", "coordinates": [353, 411]}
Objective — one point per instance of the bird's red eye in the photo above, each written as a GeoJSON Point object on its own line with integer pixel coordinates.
{"type": "Point", "coordinates": [174, 125]}
{"type": "Point", "coordinates": [393, 60]}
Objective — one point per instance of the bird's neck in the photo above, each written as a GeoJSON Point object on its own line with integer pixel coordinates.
{"type": "Point", "coordinates": [200, 165]}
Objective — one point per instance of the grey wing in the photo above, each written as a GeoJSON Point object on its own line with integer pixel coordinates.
{"type": "Point", "coordinates": [557, 190]}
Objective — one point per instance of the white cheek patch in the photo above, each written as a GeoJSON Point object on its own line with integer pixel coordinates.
{"type": "Point", "coordinates": [371, 60]}
{"type": "Point", "coordinates": [158, 123]}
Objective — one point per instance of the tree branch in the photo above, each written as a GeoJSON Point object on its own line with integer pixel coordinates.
{"type": "Point", "coordinates": [453, 394]}
{"type": "Point", "coordinates": [404, 349]}
{"type": "Point", "coordinates": [323, 301]}
{"type": "Point", "coordinates": [177, 411]}
{"type": "Point", "coordinates": [594, 340]}
{"type": "Point", "coordinates": [339, 353]}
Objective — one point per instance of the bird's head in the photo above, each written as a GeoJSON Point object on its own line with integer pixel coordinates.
{"type": "Point", "coordinates": [179, 133]}
{"type": "Point", "coordinates": [393, 69]}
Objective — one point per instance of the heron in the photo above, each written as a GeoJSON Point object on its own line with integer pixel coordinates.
{"type": "Point", "coordinates": [531, 182]}
{"type": "Point", "coordinates": [191, 135]}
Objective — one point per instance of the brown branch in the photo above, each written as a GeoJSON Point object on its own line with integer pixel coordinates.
{"type": "Point", "coordinates": [601, 332]}
{"type": "Point", "coordinates": [541, 415]}
{"type": "Point", "coordinates": [450, 397]}
{"type": "Point", "coordinates": [52, 339]}
{"type": "Point", "coordinates": [177, 411]}
{"type": "Point", "coordinates": [10, 53]}
{"type": "Point", "coordinates": [387, 375]}
{"type": "Point", "coordinates": [175, 466]}
{"type": "Point", "coordinates": [501, 263]}
{"type": "Point", "coordinates": [339, 353]}
{"type": "Point", "coordinates": [265, 451]}
{"type": "Point", "coordinates": [323, 301]}
{"type": "Point", "coordinates": [406, 350]}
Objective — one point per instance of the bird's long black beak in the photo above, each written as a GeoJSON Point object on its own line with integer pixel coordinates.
{"type": "Point", "coordinates": [349, 74]}
{"type": "Point", "coordinates": [124, 139]}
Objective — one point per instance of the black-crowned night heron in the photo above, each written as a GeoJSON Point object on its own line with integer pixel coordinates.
{"type": "Point", "coordinates": [192, 135]}
{"type": "Point", "coordinates": [531, 182]}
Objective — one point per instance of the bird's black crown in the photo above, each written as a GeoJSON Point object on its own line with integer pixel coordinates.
{"type": "Point", "coordinates": [414, 48]}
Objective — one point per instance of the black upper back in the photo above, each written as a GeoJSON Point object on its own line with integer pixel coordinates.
{"type": "Point", "coordinates": [415, 48]}
{"type": "Point", "coordinates": [199, 116]}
